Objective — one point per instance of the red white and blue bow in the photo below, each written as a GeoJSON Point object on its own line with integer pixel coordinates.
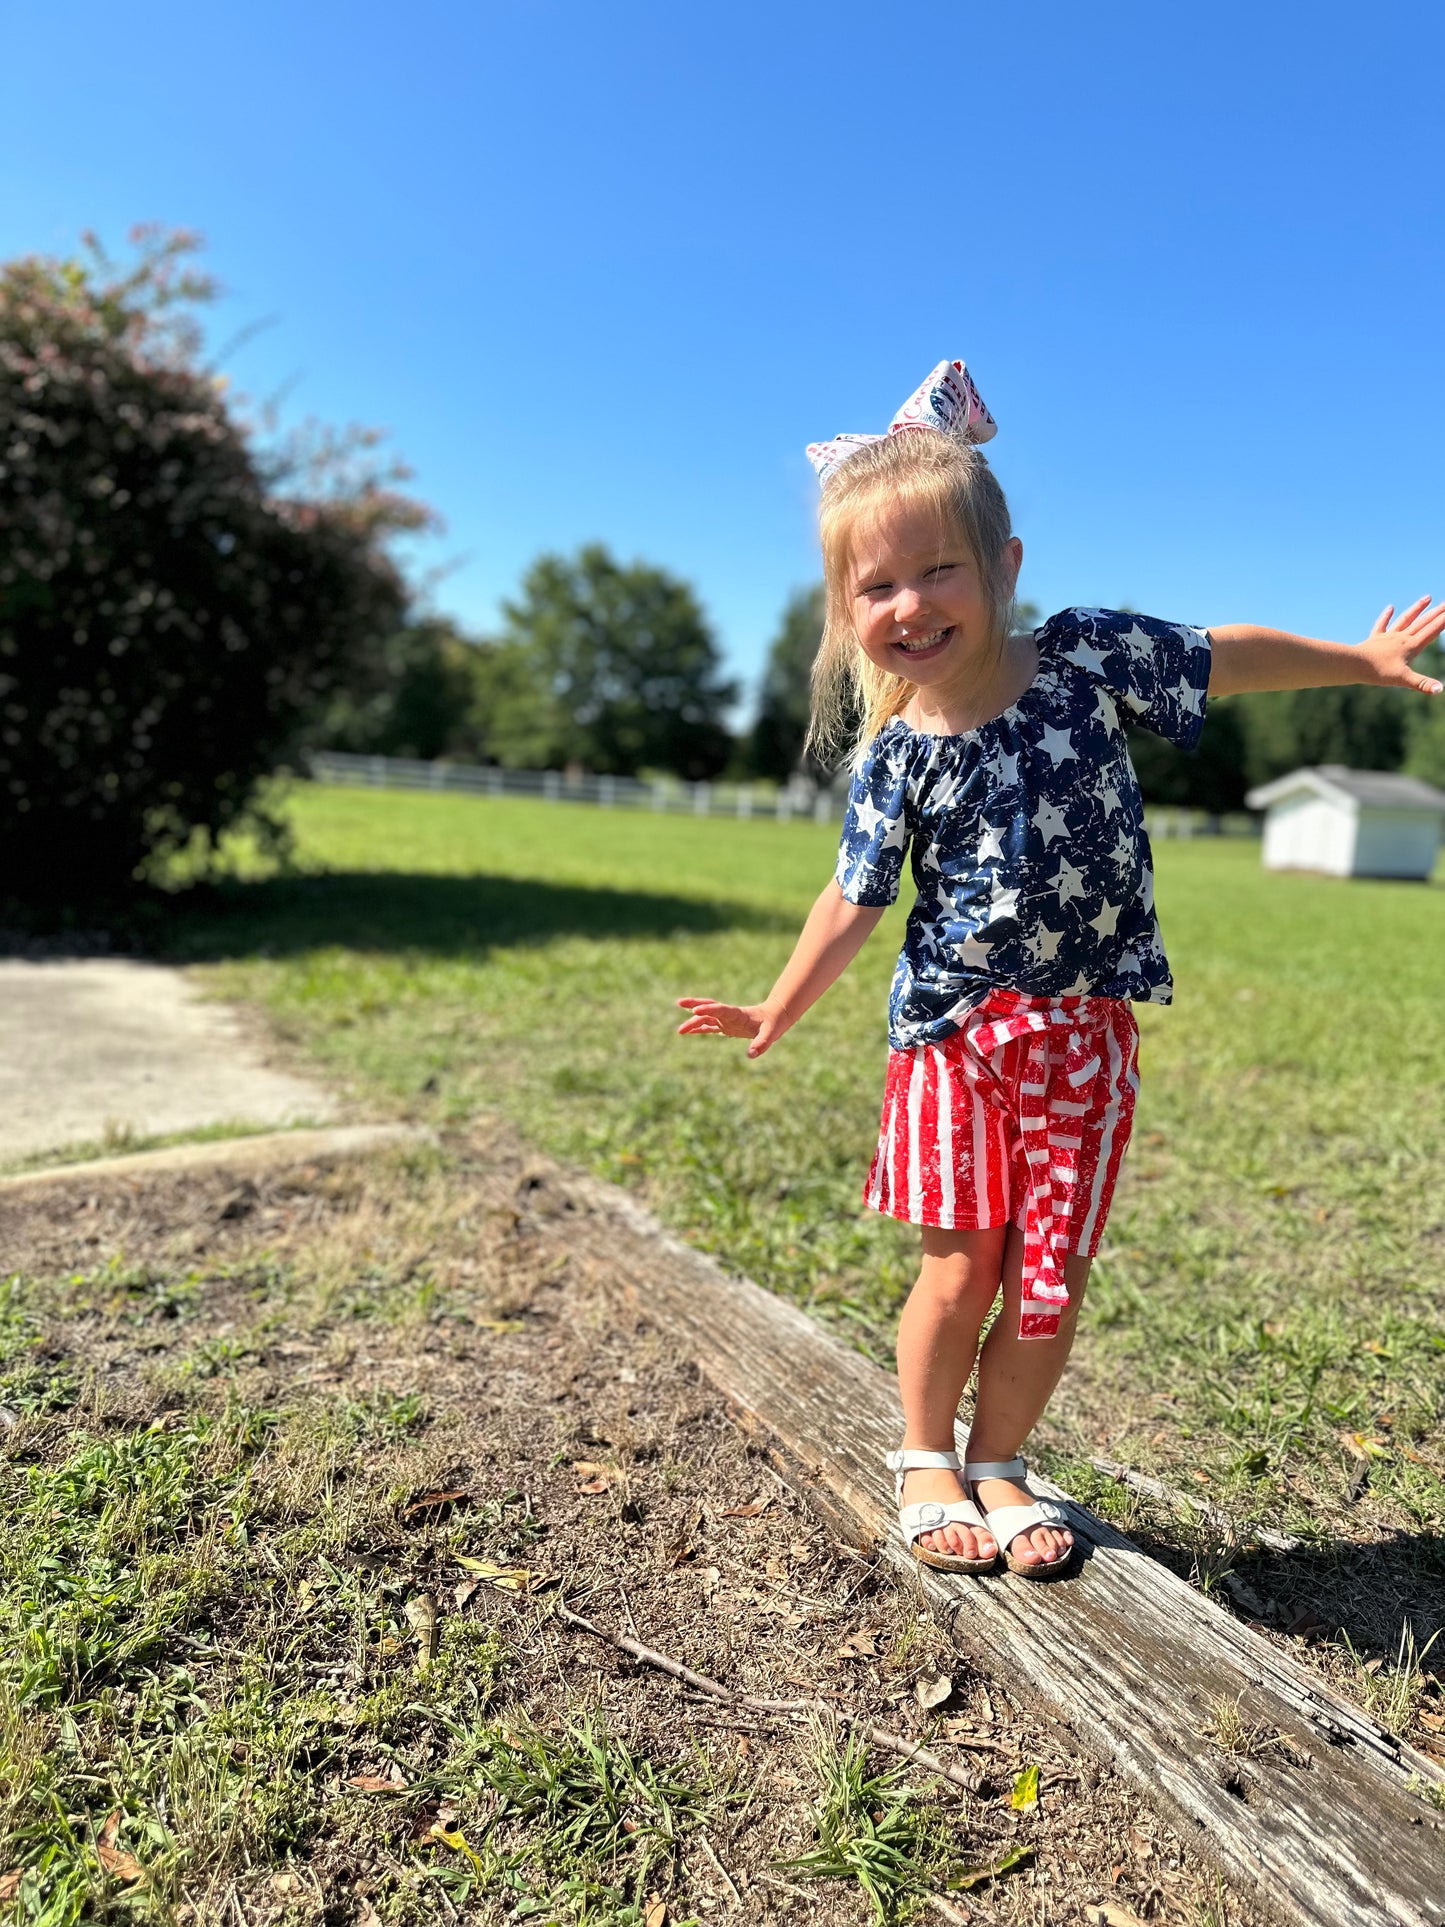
{"type": "Point", "coordinates": [947, 401]}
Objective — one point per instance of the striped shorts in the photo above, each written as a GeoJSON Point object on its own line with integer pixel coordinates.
{"type": "Point", "coordinates": [1020, 1117]}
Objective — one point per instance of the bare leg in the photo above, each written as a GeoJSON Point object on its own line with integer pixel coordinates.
{"type": "Point", "coordinates": [1016, 1379]}
{"type": "Point", "coordinates": [937, 1345]}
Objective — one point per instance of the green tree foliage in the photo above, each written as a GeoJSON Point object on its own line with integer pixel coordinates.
{"type": "Point", "coordinates": [1361, 727]}
{"type": "Point", "coordinates": [174, 609]}
{"type": "Point", "coordinates": [610, 667]}
{"type": "Point", "coordinates": [775, 742]}
{"type": "Point", "coordinates": [415, 695]}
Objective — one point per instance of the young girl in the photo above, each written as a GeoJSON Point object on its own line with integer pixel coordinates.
{"type": "Point", "coordinates": [998, 763]}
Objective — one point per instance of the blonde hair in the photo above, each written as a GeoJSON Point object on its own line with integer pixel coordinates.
{"type": "Point", "coordinates": [920, 469]}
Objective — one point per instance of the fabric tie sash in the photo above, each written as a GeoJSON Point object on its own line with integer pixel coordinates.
{"type": "Point", "coordinates": [946, 401]}
{"type": "Point", "coordinates": [1065, 1041]}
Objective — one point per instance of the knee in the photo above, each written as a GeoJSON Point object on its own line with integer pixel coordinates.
{"type": "Point", "coordinates": [953, 1285]}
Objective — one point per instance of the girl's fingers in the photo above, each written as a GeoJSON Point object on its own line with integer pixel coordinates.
{"type": "Point", "coordinates": [1407, 616]}
{"type": "Point", "coordinates": [1382, 620]}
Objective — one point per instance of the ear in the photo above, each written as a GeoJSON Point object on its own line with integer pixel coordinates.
{"type": "Point", "coordinates": [1014, 550]}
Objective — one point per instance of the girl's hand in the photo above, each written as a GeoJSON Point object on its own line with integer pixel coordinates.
{"type": "Point", "coordinates": [1390, 647]}
{"type": "Point", "coordinates": [762, 1024]}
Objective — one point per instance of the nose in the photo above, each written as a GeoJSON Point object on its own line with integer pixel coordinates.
{"type": "Point", "coordinates": [908, 606]}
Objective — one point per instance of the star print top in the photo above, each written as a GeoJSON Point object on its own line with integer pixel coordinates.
{"type": "Point", "coordinates": [1026, 835]}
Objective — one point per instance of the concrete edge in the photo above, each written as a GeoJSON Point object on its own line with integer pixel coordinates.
{"type": "Point", "coordinates": [266, 1151]}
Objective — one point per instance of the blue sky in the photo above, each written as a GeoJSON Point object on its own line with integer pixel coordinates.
{"type": "Point", "coordinates": [602, 272]}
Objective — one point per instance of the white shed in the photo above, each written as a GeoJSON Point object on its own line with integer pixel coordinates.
{"type": "Point", "coordinates": [1350, 822]}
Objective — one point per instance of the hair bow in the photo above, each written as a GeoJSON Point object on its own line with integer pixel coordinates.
{"type": "Point", "coordinates": [947, 401]}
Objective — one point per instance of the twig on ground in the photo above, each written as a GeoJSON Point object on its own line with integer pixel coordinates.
{"type": "Point", "coordinates": [1156, 1489]}
{"type": "Point", "coordinates": [708, 1849]}
{"type": "Point", "coordinates": [792, 1709]}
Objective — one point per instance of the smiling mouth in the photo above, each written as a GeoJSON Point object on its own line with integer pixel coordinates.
{"type": "Point", "coordinates": [924, 645]}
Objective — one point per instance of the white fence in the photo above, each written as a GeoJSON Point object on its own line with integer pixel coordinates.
{"type": "Point", "coordinates": [610, 792]}
{"type": "Point", "coordinates": [800, 799]}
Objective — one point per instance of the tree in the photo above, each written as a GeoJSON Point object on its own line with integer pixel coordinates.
{"type": "Point", "coordinates": [1363, 728]}
{"type": "Point", "coordinates": [414, 696]}
{"type": "Point", "coordinates": [175, 606]}
{"type": "Point", "coordinates": [618, 670]}
{"type": "Point", "coordinates": [775, 742]}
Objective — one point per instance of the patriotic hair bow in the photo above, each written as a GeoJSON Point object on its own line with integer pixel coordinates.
{"type": "Point", "coordinates": [947, 401]}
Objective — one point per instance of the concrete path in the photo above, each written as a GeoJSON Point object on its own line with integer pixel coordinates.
{"type": "Point", "coordinates": [106, 1045]}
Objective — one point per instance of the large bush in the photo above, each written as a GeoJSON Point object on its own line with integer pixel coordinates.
{"type": "Point", "coordinates": [174, 608]}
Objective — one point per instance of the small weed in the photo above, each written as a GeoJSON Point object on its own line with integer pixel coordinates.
{"type": "Point", "coordinates": [1231, 1732]}
{"type": "Point", "coordinates": [1390, 1692]}
{"type": "Point", "coordinates": [869, 1826]}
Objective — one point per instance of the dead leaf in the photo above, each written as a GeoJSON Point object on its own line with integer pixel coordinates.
{"type": "Point", "coordinates": [1432, 1722]}
{"type": "Point", "coordinates": [505, 1578]}
{"type": "Point", "coordinates": [931, 1693]}
{"type": "Point", "coordinates": [976, 1876]}
{"type": "Point", "coordinates": [1025, 1795]}
{"type": "Point", "coordinates": [754, 1509]}
{"type": "Point", "coordinates": [10, 1883]}
{"type": "Point", "coordinates": [433, 1504]}
{"type": "Point", "coordinates": [464, 1591]}
{"type": "Point", "coordinates": [656, 1914]}
{"type": "Point", "coordinates": [597, 1477]}
{"type": "Point", "coordinates": [858, 1646]}
{"type": "Point", "coordinates": [1108, 1913]}
{"type": "Point", "coordinates": [119, 1864]}
{"type": "Point", "coordinates": [374, 1783]}
{"type": "Point", "coordinates": [421, 1616]}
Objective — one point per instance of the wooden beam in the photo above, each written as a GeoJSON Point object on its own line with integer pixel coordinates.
{"type": "Point", "coordinates": [1326, 1822]}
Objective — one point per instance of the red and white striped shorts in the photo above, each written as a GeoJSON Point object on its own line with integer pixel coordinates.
{"type": "Point", "coordinates": [1020, 1117]}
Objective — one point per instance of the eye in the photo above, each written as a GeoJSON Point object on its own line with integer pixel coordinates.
{"type": "Point", "coordinates": [874, 588]}
{"type": "Point", "coordinates": [942, 568]}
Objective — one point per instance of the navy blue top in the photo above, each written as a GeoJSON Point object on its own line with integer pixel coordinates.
{"type": "Point", "coordinates": [1026, 835]}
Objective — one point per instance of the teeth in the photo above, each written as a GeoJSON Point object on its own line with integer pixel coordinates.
{"type": "Point", "coordinates": [910, 643]}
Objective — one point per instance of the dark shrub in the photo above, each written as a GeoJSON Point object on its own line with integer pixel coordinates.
{"type": "Point", "coordinates": [170, 615]}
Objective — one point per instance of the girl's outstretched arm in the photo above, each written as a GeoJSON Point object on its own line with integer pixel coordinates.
{"type": "Point", "coordinates": [835, 932]}
{"type": "Point", "coordinates": [1244, 657]}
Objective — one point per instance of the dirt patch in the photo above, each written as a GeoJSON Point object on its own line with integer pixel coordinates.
{"type": "Point", "coordinates": [405, 1369]}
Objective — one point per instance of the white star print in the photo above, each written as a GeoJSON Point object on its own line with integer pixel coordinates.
{"type": "Point", "coordinates": [1007, 768]}
{"type": "Point", "coordinates": [1050, 821]}
{"type": "Point", "coordinates": [1107, 921]}
{"type": "Point", "coordinates": [990, 844]}
{"type": "Point", "coordinates": [1004, 906]}
{"type": "Point", "coordinates": [1109, 797]}
{"type": "Point", "coordinates": [1187, 696]}
{"type": "Point", "coordinates": [1104, 709]}
{"type": "Point", "coordinates": [868, 816]}
{"type": "Point", "coordinates": [1058, 744]}
{"type": "Point", "coordinates": [1138, 641]}
{"type": "Point", "coordinates": [1069, 882]}
{"type": "Point", "coordinates": [972, 953]}
{"type": "Point", "coordinates": [1087, 657]}
{"type": "Point", "coordinates": [1122, 853]}
{"type": "Point", "coordinates": [1045, 943]}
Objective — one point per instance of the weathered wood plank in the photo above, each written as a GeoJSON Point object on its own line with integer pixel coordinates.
{"type": "Point", "coordinates": [1328, 1826]}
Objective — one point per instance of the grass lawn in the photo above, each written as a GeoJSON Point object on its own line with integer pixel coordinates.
{"type": "Point", "coordinates": [1264, 1325]}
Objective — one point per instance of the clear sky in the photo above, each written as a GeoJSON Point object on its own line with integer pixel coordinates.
{"type": "Point", "coordinates": [602, 271]}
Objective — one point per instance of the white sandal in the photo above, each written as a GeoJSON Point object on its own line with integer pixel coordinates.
{"type": "Point", "coordinates": [1007, 1522]}
{"type": "Point", "coordinates": [929, 1515]}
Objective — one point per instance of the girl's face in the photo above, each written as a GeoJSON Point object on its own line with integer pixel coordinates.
{"type": "Point", "coordinates": [917, 598]}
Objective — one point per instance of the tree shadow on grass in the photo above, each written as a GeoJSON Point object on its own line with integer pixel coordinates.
{"type": "Point", "coordinates": [450, 916]}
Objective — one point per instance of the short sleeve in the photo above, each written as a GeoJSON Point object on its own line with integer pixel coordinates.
{"type": "Point", "coordinates": [1158, 670]}
{"type": "Point", "coordinates": [875, 825]}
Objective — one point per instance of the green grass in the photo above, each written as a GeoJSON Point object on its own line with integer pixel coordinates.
{"type": "Point", "coordinates": [1272, 1282]}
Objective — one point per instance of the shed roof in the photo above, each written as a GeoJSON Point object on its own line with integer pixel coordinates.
{"type": "Point", "coordinates": [1377, 789]}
